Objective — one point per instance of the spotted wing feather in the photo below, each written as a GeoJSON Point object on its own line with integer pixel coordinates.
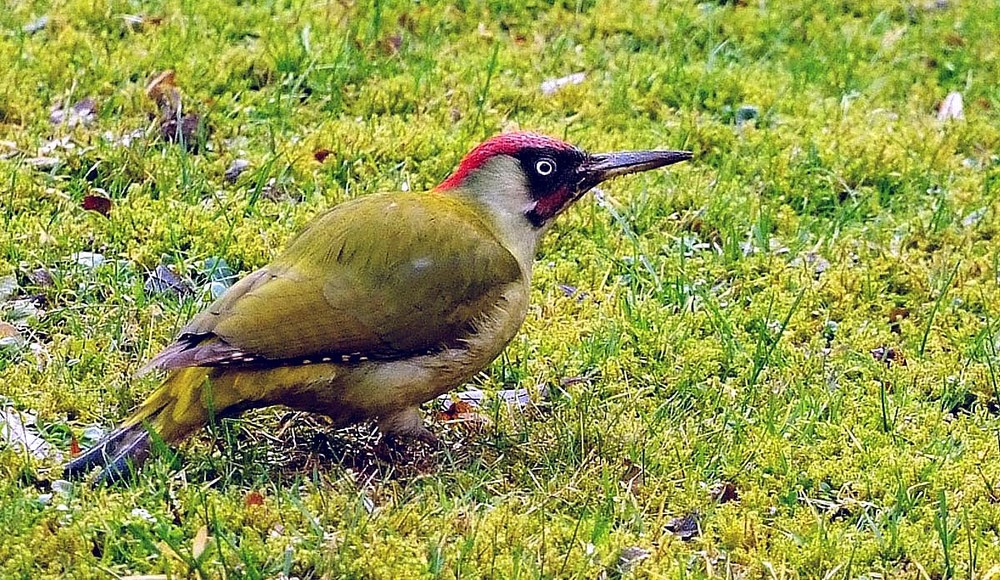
{"type": "Point", "coordinates": [329, 296]}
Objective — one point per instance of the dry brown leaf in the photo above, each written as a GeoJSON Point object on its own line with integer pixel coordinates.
{"type": "Point", "coordinates": [164, 92]}
{"type": "Point", "coordinates": [8, 330]}
{"type": "Point", "coordinates": [889, 355]}
{"type": "Point", "coordinates": [724, 492]}
{"type": "Point", "coordinates": [199, 543]}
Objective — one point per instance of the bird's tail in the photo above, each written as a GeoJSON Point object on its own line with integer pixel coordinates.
{"type": "Point", "coordinates": [181, 405]}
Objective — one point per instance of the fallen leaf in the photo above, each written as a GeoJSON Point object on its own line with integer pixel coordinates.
{"type": "Point", "coordinates": [199, 543]}
{"type": "Point", "coordinates": [952, 107]}
{"type": "Point", "coordinates": [254, 498]}
{"type": "Point", "coordinates": [176, 126]}
{"type": "Point", "coordinates": [139, 22]}
{"type": "Point", "coordinates": [41, 277]}
{"type": "Point", "coordinates": [236, 168]}
{"type": "Point", "coordinates": [633, 478]}
{"type": "Point", "coordinates": [724, 492]}
{"type": "Point", "coordinates": [164, 92]}
{"type": "Point", "coordinates": [185, 130]}
{"type": "Point", "coordinates": [889, 355]}
{"type": "Point", "coordinates": [897, 315]}
{"type": "Point", "coordinates": [16, 430]}
{"type": "Point", "coordinates": [98, 203]}
{"type": "Point", "coordinates": [8, 287]}
{"type": "Point", "coordinates": [685, 527]}
{"type": "Point", "coordinates": [393, 43]}
{"type": "Point", "coordinates": [80, 113]}
{"type": "Point", "coordinates": [163, 280]}
{"type": "Point", "coordinates": [74, 446]}
{"type": "Point", "coordinates": [630, 557]}
{"type": "Point", "coordinates": [464, 414]}
{"type": "Point", "coordinates": [8, 330]}
{"type": "Point", "coordinates": [551, 86]}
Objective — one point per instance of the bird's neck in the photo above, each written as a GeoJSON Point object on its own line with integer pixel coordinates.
{"type": "Point", "coordinates": [503, 200]}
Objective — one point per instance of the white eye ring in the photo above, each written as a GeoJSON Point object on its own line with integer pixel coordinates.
{"type": "Point", "coordinates": [545, 167]}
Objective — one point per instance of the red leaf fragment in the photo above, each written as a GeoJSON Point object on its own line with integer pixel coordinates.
{"type": "Point", "coordinates": [253, 498]}
{"type": "Point", "coordinates": [464, 414]}
{"type": "Point", "coordinates": [320, 155]}
{"type": "Point", "coordinates": [74, 446]}
{"type": "Point", "coordinates": [98, 203]}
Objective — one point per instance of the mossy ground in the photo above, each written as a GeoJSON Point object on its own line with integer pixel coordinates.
{"type": "Point", "coordinates": [731, 328]}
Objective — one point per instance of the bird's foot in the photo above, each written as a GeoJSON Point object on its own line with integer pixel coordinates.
{"type": "Point", "coordinates": [404, 427]}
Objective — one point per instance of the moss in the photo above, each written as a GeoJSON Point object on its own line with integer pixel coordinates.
{"type": "Point", "coordinates": [698, 348]}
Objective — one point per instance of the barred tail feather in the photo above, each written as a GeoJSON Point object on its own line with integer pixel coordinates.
{"type": "Point", "coordinates": [172, 412]}
{"type": "Point", "coordinates": [125, 447]}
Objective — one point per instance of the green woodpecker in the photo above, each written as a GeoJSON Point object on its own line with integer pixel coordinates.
{"type": "Point", "coordinates": [379, 305]}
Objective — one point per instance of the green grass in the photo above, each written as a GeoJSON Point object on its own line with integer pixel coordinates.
{"type": "Point", "coordinates": [723, 330]}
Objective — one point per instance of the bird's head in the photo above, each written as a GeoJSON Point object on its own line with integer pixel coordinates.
{"type": "Point", "coordinates": [533, 178]}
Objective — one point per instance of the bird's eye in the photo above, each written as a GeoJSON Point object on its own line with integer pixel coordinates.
{"type": "Point", "coordinates": [545, 167]}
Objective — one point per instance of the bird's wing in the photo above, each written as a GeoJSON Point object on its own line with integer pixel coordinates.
{"type": "Point", "coordinates": [330, 295]}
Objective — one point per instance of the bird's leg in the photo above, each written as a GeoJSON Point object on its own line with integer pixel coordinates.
{"type": "Point", "coordinates": [406, 424]}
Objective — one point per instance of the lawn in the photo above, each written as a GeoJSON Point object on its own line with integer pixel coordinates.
{"type": "Point", "coordinates": [778, 360]}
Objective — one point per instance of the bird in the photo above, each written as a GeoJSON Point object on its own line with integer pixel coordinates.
{"type": "Point", "coordinates": [378, 305]}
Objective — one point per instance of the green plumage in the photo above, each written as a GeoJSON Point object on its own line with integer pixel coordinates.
{"type": "Point", "coordinates": [379, 277]}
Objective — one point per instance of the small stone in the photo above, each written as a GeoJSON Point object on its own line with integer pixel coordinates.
{"type": "Point", "coordinates": [89, 260]}
{"type": "Point", "coordinates": [36, 25]}
{"type": "Point", "coordinates": [551, 86]}
{"type": "Point", "coordinates": [43, 163]}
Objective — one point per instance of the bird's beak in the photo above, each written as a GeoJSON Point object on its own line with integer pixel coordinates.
{"type": "Point", "coordinates": [603, 166]}
{"type": "Point", "coordinates": [594, 170]}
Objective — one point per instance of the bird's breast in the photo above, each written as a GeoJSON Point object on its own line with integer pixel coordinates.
{"type": "Point", "coordinates": [414, 380]}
